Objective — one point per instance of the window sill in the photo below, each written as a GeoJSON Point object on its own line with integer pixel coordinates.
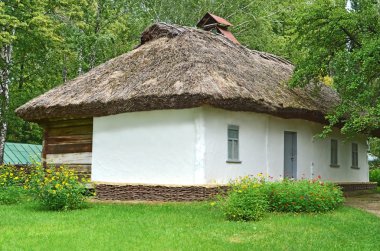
{"type": "Point", "coordinates": [334, 165]}
{"type": "Point", "coordinates": [355, 167]}
{"type": "Point", "coordinates": [233, 161]}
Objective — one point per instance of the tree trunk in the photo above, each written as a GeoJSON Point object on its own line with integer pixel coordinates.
{"type": "Point", "coordinates": [22, 79]}
{"type": "Point", "coordinates": [93, 56]}
{"type": "Point", "coordinates": [6, 58]}
{"type": "Point", "coordinates": [80, 59]}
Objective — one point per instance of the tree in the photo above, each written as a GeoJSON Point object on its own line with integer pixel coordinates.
{"type": "Point", "coordinates": [55, 41]}
{"type": "Point", "coordinates": [8, 25]}
{"type": "Point", "coordinates": [27, 33]}
{"type": "Point", "coordinates": [331, 42]}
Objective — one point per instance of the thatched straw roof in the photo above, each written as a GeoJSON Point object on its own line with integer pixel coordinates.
{"type": "Point", "coordinates": [179, 67]}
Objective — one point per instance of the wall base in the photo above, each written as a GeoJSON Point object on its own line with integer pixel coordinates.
{"type": "Point", "coordinates": [157, 192]}
{"type": "Point", "coordinates": [357, 186]}
{"type": "Point", "coordinates": [186, 193]}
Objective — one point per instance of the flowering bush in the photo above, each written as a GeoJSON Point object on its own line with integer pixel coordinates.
{"type": "Point", "coordinates": [246, 200]}
{"type": "Point", "coordinates": [304, 196]}
{"type": "Point", "coordinates": [57, 188]}
{"type": "Point", "coordinates": [374, 176]}
{"type": "Point", "coordinates": [12, 175]}
{"type": "Point", "coordinates": [249, 198]}
{"type": "Point", "coordinates": [11, 184]}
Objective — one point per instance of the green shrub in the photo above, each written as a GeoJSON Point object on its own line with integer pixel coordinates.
{"type": "Point", "coordinates": [12, 195]}
{"type": "Point", "coordinates": [57, 188]}
{"type": "Point", "coordinates": [304, 196]}
{"type": "Point", "coordinates": [374, 164]}
{"type": "Point", "coordinates": [245, 200]}
{"type": "Point", "coordinates": [11, 184]}
{"type": "Point", "coordinates": [249, 198]}
{"type": "Point", "coordinates": [374, 176]}
{"type": "Point", "coordinates": [12, 175]}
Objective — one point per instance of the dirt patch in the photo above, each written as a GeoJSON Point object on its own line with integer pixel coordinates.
{"type": "Point", "coordinates": [369, 201]}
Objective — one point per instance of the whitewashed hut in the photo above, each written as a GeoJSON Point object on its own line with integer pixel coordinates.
{"type": "Point", "coordinates": [187, 110]}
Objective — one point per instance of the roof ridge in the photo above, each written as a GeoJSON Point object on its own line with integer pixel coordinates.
{"type": "Point", "coordinates": [157, 30]}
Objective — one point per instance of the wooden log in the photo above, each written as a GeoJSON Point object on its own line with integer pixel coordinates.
{"type": "Point", "coordinates": [69, 158]}
{"type": "Point", "coordinates": [71, 139]}
{"type": "Point", "coordinates": [80, 168]}
{"type": "Point", "coordinates": [66, 123]}
{"type": "Point", "coordinates": [66, 131]}
{"type": "Point", "coordinates": [68, 148]}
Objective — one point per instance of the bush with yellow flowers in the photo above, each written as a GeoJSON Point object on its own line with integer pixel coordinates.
{"type": "Point", "coordinates": [57, 188]}
{"type": "Point", "coordinates": [12, 179]}
{"type": "Point", "coordinates": [246, 199]}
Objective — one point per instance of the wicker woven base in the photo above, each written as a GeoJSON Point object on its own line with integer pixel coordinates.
{"type": "Point", "coordinates": [157, 192]}
{"type": "Point", "coordinates": [185, 193]}
{"type": "Point", "coordinates": [357, 186]}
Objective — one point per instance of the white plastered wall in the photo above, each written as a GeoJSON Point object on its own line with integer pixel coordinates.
{"type": "Point", "coordinates": [189, 147]}
{"type": "Point", "coordinates": [154, 147]}
{"type": "Point", "coordinates": [261, 145]}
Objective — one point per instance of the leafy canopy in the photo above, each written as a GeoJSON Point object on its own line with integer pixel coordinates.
{"type": "Point", "coordinates": [342, 45]}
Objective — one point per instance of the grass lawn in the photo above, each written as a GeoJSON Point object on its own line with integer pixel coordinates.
{"type": "Point", "coordinates": [174, 226]}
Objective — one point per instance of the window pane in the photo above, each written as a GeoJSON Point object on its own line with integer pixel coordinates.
{"type": "Point", "coordinates": [229, 149]}
{"type": "Point", "coordinates": [233, 134]}
{"type": "Point", "coordinates": [355, 161]}
{"type": "Point", "coordinates": [355, 147]}
{"type": "Point", "coordinates": [233, 142]}
{"type": "Point", "coordinates": [334, 152]}
{"type": "Point", "coordinates": [236, 149]}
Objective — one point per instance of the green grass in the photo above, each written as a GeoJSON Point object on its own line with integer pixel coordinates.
{"type": "Point", "coordinates": [190, 226]}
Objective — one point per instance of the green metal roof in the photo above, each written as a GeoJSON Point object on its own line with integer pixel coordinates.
{"type": "Point", "coordinates": [22, 154]}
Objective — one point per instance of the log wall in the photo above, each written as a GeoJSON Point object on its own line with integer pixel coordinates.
{"type": "Point", "coordinates": [69, 142]}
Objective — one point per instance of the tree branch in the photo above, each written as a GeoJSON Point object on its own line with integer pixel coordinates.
{"type": "Point", "coordinates": [350, 36]}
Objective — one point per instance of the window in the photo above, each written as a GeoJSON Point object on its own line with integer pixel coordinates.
{"type": "Point", "coordinates": [355, 161]}
{"type": "Point", "coordinates": [233, 143]}
{"type": "Point", "coordinates": [334, 153]}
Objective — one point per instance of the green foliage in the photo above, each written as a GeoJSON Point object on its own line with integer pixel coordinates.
{"type": "Point", "coordinates": [11, 184]}
{"type": "Point", "coordinates": [249, 198]}
{"type": "Point", "coordinates": [246, 200]}
{"type": "Point", "coordinates": [304, 196]}
{"type": "Point", "coordinates": [374, 164]}
{"type": "Point", "coordinates": [57, 188]}
{"type": "Point", "coordinates": [374, 147]}
{"type": "Point", "coordinates": [12, 195]}
{"type": "Point", "coordinates": [374, 175]}
{"type": "Point", "coordinates": [331, 42]}
{"type": "Point", "coordinates": [12, 175]}
{"type": "Point", "coordinates": [55, 41]}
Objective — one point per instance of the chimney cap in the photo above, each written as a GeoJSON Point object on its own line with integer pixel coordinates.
{"type": "Point", "coordinates": [212, 19]}
{"type": "Point", "coordinates": [227, 34]}
{"type": "Point", "coordinates": [211, 22]}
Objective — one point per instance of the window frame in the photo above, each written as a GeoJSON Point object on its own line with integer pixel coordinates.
{"type": "Point", "coordinates": [334, 153]}
{"type": "Point", "coordinates": [230, 147]}
{"type": "Point", "coordinates": [355, 155]}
